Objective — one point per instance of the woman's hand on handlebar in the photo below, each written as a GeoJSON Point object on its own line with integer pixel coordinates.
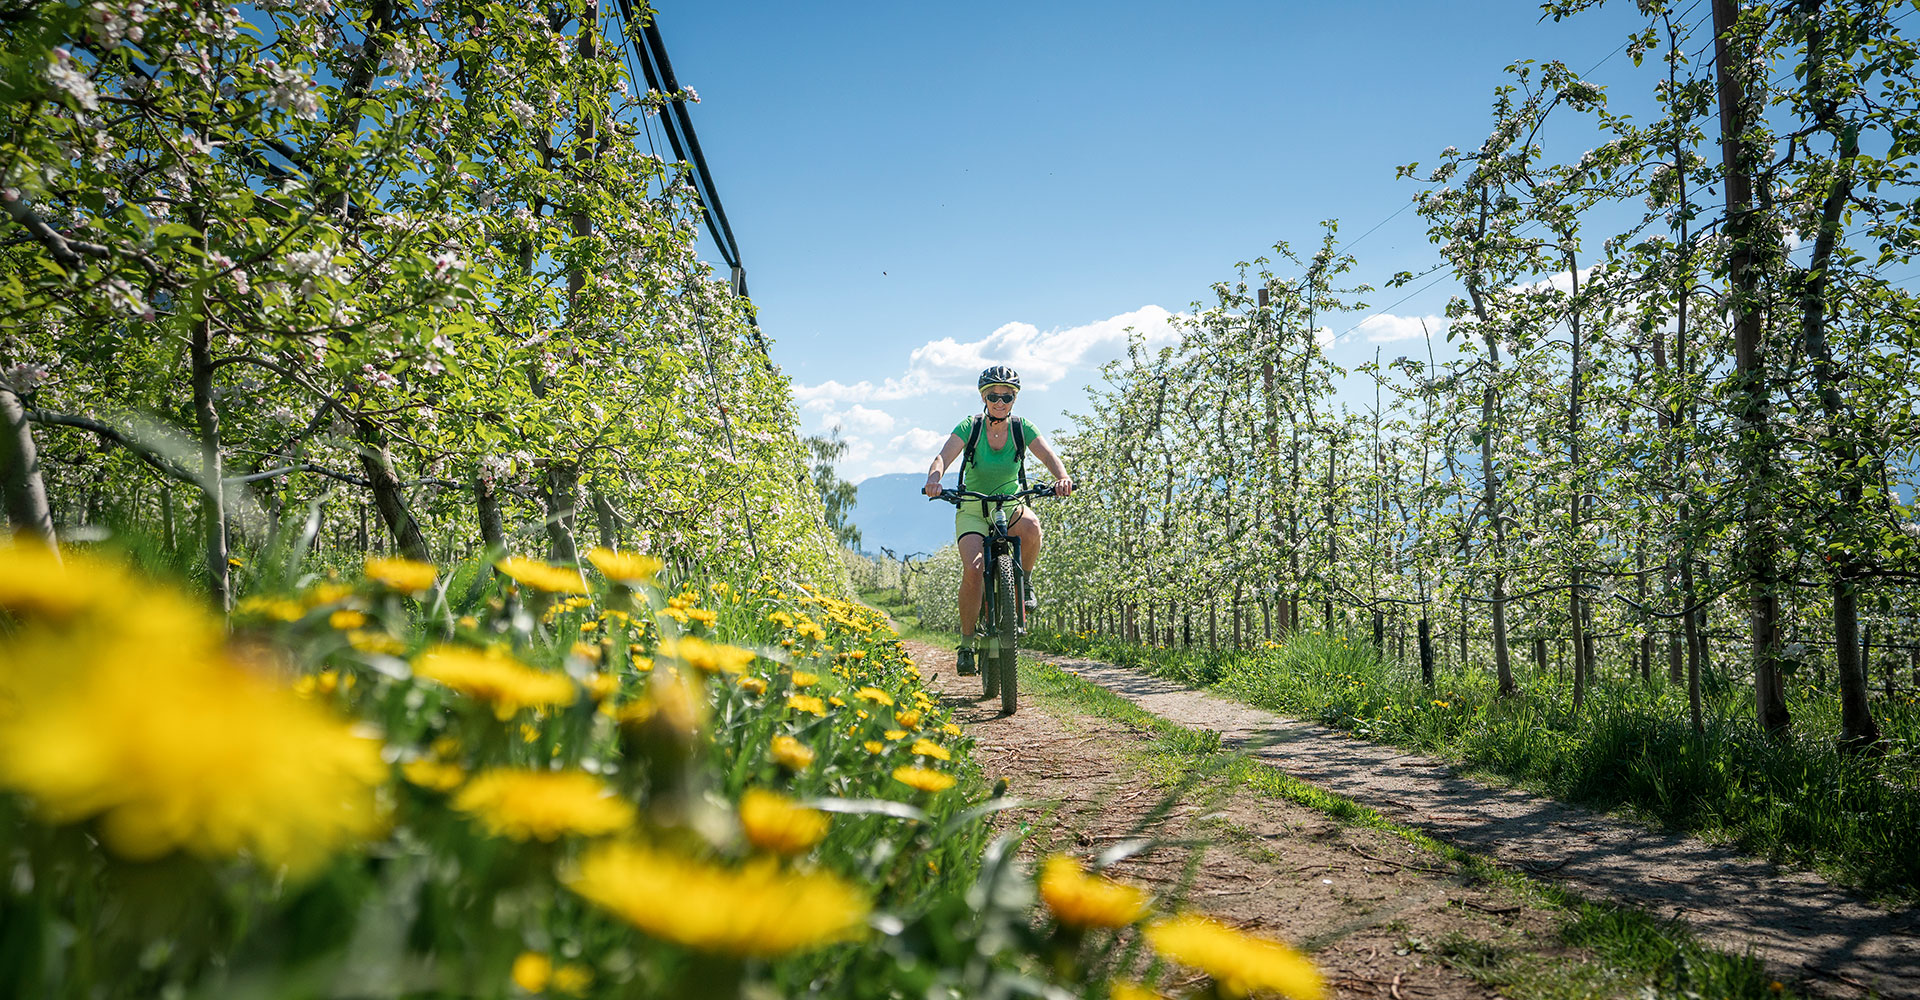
{"type": "Point", "coordinates": [1063, 487]}
{"type": "Point", "coordinates": [933, 489]}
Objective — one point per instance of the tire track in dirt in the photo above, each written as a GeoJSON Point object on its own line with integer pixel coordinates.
{"type": "Point", "coordinates": [1801, 925]}
{"type": "Point", "coordinates": [1372, 908]}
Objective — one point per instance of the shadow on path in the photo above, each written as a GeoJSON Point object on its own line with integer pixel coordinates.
{"type": "Point", "coordinates": [1794, 920]}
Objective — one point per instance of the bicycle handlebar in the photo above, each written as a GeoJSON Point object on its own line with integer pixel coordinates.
{"type": "Point", "coordinates": [955, 497]}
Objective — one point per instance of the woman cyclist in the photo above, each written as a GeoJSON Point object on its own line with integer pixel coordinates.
{"type": "Point", "coordinates": [994, 466]}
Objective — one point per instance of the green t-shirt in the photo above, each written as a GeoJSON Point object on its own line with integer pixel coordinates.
{"type": "Point", "coordinates": [992, 470]}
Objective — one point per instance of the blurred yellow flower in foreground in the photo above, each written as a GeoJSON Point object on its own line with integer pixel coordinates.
{"type": "Point", "coordinates": [756, 911]}
{"type": "Point", "coordinates": [1119, 990]}
{"type": "Point", "coordinates": [711, 657]}
{"type": "Point", "coordinates": [928, 748]}
{"type": "Point", "coordinates": [773, 822]}
{"type": "Point", "coordinates": [624, 567]}
{"type": "Point", "coordinates": [791, 753]}
{"type": "Point", "coordinates": [1087, 901]}
{"type": "Point", "coordinates": [408, 575]}
{"type": "Point", "coordinates": [1241, 964]}
{"type": "Point", "coordinates": [543, 805]}
{"type": "Point", "coordinates": [36, 583]}
{"type": "Point", "coordinates": [437, 775]}
{"type": "Point", "coordinates": [924, 779]}
{"type": "Point", "coordinates": [493, 677]}
{"type": "Point", "coordinates": [540, 576]}
{"type": "Point", "coordinates": [807, 703]}
{"type": "Point", "coordinates": [172, 753]}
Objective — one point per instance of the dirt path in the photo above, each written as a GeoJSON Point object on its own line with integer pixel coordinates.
{"type": "Point", "coordinates": [1374, 910]}
{"type": "Point", "coordinates": [1802, 926]}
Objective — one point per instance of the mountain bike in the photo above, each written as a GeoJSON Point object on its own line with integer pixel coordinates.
{"type": "Point", "coordinates": [1003, 599]}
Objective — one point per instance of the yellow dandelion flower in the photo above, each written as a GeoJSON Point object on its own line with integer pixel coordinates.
{"type": "Point", "coordinates": [753, 685]}
{"type": "Point", "coordinates": [874, 695]}
{"type": "Point", "coordinates": [493, 677]}
{"type": "Point", "coordinates": [1121, 990]}
{"type": "Point", "coordinates": [532, 971]}
{"type": "Point", "coordinates": [791, 753]}
{"type": "Point", "coordinates": [928, 748]}
{"type": "Point", "coordinates": [1241, 964]}
{"type": "Point", "coordinates": [951, 729]}
{"type": "Point", "coordinates": [277, 608]}
{"type": "Point", "coordinates": [874, 746]}
{"type": "Point", "coordinates": [540, 576]}
{"type": "Point", "coordinates": [773, 822]}
{"type": "Point", "coordinates": [803, 679]}
{"type": "Point", "coordinates": [1088, 901]}
{"type": "Point", "coordinates": [407, 575]}
{"type": "Point", "coordinates": [436, 775]}
{"type": "Point", "coordinates": [587, 651]}
{"type": "Point", "coordinates": [807, 703]}
{"type": "Point", "coordinates": [711, 657]}
{"type": "Point", "coordinates": [196, 752]}
{"type": "Point", "coordinates": [673, 704]}
{"type": "Point", "coordinates": [369, 641]}
{"type": "Point", "coordinates": [543, 805]}
{"type": "Point", "coordinates": [756, 911]}
{"type": "Point", "coordinates": [895, 734]}
{"type": "Point", "coordinates": [573, 979]}
{"type": "Point", "coordinates": [703, 615]}
{"type": "Point", "coordinates": [924, 779]}
{"type": "Point", "coordinates": [346, 619]}
{"type": "Point", "coordinates": [626, 568]}
{"type": "Point", "coordinates": [328, 593]}
{"type": "Point", "coordinates": [909, 719]}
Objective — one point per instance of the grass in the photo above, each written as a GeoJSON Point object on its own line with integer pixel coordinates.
{"type": "Point", "coordinates": [1636, 953]}
{"type": "Point", "coordinates": [1797, 800]}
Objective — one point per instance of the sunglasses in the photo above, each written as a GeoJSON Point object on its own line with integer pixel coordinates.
{"type": "Point", "coordinates": [996, 397]}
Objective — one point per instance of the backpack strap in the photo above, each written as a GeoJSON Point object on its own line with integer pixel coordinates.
{"type": "Point", "coordinates": [966, 455]}
{"type": "Point", "coordinates": [1020, 448]}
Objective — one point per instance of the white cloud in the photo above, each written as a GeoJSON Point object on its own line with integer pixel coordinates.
{"type": "Point", "coordinates": [920, 440]}
{"type": "Point", "coordinates": [1041, 358]}
{"type": "Point", "coordinates": [860, 420]}
{"type": "Point", "coordinates": [1385, 328]}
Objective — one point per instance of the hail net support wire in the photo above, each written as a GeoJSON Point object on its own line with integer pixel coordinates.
{"type": "Point", "coordinates": [678, 125]}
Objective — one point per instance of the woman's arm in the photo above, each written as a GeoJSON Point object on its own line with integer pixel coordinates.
{"type": "Point", "coordinates": [940, 462]}
{"type": "Point", "coordinates": [1062, 483]}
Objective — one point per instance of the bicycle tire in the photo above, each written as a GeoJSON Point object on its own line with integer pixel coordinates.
{"type": "Point", "coordinates": [1006, 620]}
{"type": "Point", "coordinates": [982, 659]}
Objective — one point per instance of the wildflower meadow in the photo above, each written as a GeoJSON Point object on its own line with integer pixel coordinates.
{"type": "Point", "coordinates": [524, 779]}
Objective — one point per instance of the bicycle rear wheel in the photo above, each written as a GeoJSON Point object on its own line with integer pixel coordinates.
{"type": "Point", "coordinates": [984, 659]}
{"type": "Point", "coordinates": [1006, 620]}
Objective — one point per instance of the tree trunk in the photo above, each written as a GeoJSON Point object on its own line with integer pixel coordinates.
{"type": "Point", "coordinates": [1858, 730]}
{"type": "Point", "coordinates": [604, 518]}
{"type": "Point", "coordinates": [563, 482]}
{"type": "Point", "coordinates": [493, 535]}
{"type": "Point", "coordinates": [389, 498]}
{"type": "Point", "coordinates": [25, 488]}
{"type": "Point", "coordinates": [214, 505]}
{"type": "Point", "coordinates": [1733, 67]}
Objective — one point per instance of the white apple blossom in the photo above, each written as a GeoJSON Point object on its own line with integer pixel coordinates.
{"type": "Point", "coordinates": [24, 378]}
{"type": "Point", "coordinates": [291, 90]}
{"type": "Point", "coordinates": [70, 78]}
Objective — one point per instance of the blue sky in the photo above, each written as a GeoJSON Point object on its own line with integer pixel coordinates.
{"type": "Point", "coordinates": [920, 189]}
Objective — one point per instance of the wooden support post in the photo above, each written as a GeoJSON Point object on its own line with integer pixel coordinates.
{"type": "Point", "coordinates": [1379, 633]}
{"type": "Point", "coordinates": [1426, 652]}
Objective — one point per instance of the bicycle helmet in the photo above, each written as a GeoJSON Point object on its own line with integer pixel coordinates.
{"type": "Point", "coordinates": [999, 375]}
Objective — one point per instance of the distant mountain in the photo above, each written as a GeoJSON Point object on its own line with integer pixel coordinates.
{"type": "Point", "coordinates": [892, 513]}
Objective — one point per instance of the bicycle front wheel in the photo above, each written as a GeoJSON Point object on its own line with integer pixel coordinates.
{"type": "Point", "coordinates": [1006, 619]}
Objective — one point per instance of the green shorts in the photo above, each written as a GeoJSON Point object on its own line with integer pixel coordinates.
{"type": "Point", "coordinates": [970, 518]}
